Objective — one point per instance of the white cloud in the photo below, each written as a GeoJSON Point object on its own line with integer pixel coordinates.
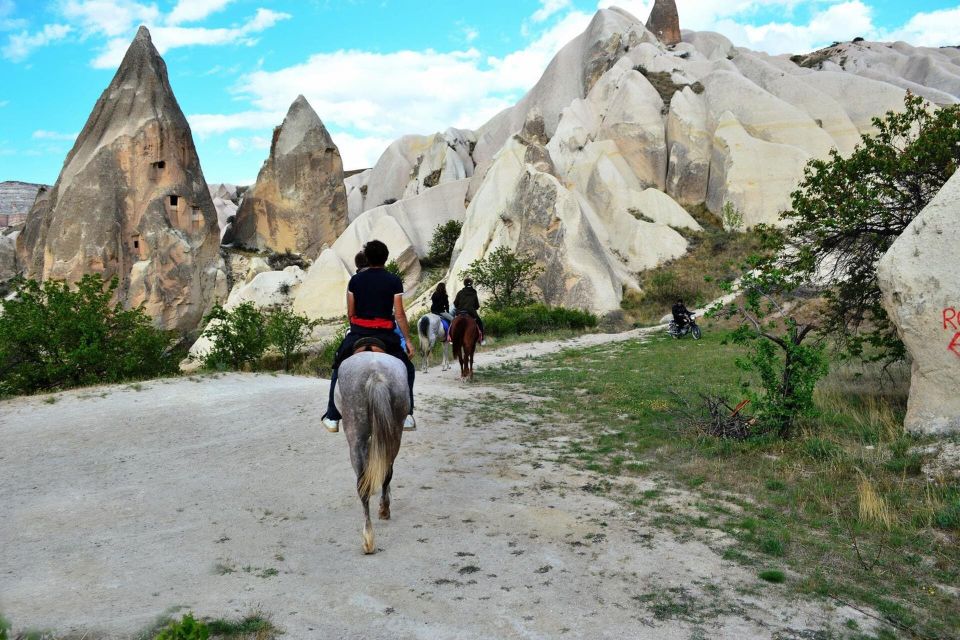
{"type": "Point", "coordinates": [6, 22]}
{"type": "Point", "coordinates": [252, 143]}
{"type": "Point", "coordinates": [21, 45]}
{"type": "Point", "coordinates": [359, 152]}
{"type": "Point", "coordinates": [931, 29]}
{"type": "Point", "coordinates": [166, 38]}
{"type": "Point", "coordinates": [194, 10]}
{"type": "Point", "coordinates": [43, 134]}
{"type": "Point", "coordinates": [4, 103]}
{"type": "Point", "coordinates": [111, 18]}
{"type": "Point", "coordinates": [204, 125]}
{"type": "Point", "coordinates": [548, 8]}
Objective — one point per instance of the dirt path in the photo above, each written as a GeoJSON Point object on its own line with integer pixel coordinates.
{"type": "Point", "coordinates": [222, 494]}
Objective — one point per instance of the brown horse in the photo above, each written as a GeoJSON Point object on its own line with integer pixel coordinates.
{"type": "Point", "coordinates": [465, 334]}
{"type": "Point", "coordinates": [373, 396]}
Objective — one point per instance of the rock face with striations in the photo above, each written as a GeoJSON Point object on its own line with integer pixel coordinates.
{"type": "Point", "coordinates": [664, 22]}
{"type": "Point", "coordinates": [299, 202]}
{"type": "Point", "coordinates": [131, 202]}
{"type": "Point", "coordinates": [921, 292]}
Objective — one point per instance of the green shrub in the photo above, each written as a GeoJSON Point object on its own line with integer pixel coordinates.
{"type": "Point", "coordinates": [4, 628]}
{"type": "Point", "coordinates": [56, 336]}
{"type": "Point", "coordinates": [394, 268]}
{"type": "Point", "coordinates": [536, 318]}
{"type": "Point", "coordinates": [187, 628]}
{"type": "Point", "coordinates": [444, 238]}
{"type": "Point", "coordinates": [239, 336]}
{"type": "Point", "coordinates": [288, 332]}
{"type": "Point", "coordinates": [948, 517]}
{"type": "Point", "coordinates": [772, 575]}
{"type": "Point", "coordinates": [506, 275]}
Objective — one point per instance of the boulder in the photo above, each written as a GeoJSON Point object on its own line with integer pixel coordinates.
{"type": "Point", "coordinates": [323, 293]}
{"type": "Point", "coordinates": [356, 186]}
{"type": "Point", "coordinates": [378, 224]}
{"type": "Point", "coordinates": [257, 266]}
{"type": "Point", "coordinates": [299, 202]}
{"type": "Point", "coordinates": [664, 22]}
{"type": "Point", "coordinates": [689, 148]}
{"type": "Point", "coordinates": [420, 215]}
{"type": "Point", "coordinates": [533, 214]}
{"type": "Point", "coordinates": [755, 176]}
{"type": "Point", "coordinates": [131, 201]}
{"type": "Point", "coordinates": [921, 293]}
{"type": "Point", "coordinates": [862, 98]}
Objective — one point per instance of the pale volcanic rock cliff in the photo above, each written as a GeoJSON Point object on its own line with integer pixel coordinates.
{"type": "Point", "coordinates": [299, 202]}
{"type": "Point", "coordinates": [132, 202]}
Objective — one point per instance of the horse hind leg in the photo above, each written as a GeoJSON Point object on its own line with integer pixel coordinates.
{"type": "Point", "coordinates": [385, 496]}
{"type": "Point", "coordinates": [369, 544]}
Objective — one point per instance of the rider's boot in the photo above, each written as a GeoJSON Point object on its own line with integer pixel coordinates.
{"type": "Point", "coordinates": [333, 426]}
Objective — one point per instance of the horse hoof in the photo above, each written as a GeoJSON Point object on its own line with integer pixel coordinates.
{"type": "Point", "coordinates": [384, 514]}
{"type": "Point", "coordinates": [369, 546]}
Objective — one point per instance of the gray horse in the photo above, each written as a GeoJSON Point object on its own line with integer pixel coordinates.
{"type": "Point", "coordinates": [373, 396]}
{"type": "Point", "coordinates": [431, 331]}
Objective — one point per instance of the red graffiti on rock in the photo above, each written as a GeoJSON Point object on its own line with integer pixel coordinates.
{"type": "Point", "coordinates": [951, 318]}
{"type": "Point", "coordinates": [955, 344]}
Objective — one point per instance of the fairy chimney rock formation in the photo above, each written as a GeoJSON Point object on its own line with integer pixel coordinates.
{"type": "Point", "coordinates": [299, 202]}
{"type": "Point", "coordinates": [131, 202]}
{"type": "Point", "coordinates": [664, 22]}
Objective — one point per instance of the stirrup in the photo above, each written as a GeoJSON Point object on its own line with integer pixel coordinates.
{"type": "Point", "coordinates": [409, 423]}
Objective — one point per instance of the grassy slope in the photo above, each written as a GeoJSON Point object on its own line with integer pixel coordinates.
{"type": "Point", "coordinates": [850, 485]}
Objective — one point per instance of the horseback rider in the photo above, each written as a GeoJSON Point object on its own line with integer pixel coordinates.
{"type": "Point", "coordinates": [681, 315]}
{"type": "Point", "coordinates": [374, 306]}
{"type": "Point", "coordinates": [440, 303]}
{"type": "Point", "coordinates": [467, 301]}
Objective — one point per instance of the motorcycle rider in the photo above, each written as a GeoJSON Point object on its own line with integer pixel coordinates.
{"type": "Point", "coordinates": [681, 315]}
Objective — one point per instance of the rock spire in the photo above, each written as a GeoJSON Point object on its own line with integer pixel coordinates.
{"type": "Point", "coordinates": [664, 22]}
{"type": "Point", "coordinates": [131, 201]}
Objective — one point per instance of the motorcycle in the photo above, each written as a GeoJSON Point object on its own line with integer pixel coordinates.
{"type": "Point", "coordinates": [691, 328]}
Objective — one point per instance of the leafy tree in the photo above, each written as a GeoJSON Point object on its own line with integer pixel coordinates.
{"type": "Point", "coordinates": [288, 332]}
{"type": "Point", "coordinates": [444, 239]}
{"type": "Point", "coordinates": [55, 336]}
{"type": "Point", "coordinates": [848, 211]}
{"type": "Point", "coordinates": [239, 336]}
{"type": "Point", "coordinates": [506, 276]}
{"type": "Point", "coordinates": [782, 354]}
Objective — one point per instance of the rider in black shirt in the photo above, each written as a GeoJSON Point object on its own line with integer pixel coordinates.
{"type": "Point", "coordinates": [681, 315]}
{"type": "Point", "coordinates": [374, 303]}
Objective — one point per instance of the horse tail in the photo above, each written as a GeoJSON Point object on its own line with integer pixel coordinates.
{"type": "Point", "coordinates": [383, 434]}
{"type": "Point", "coordinates": [456, 336]}
{"type": "Point", "coordinates": [423, 328]}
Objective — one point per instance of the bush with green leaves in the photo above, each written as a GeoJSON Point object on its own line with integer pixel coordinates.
{"type": "Point", "coordinates": [54, 335]}
{"type": "Point", "coordinates": [786, 362]}
{"type": "Point", "coordinates": [506, 276]}
{"type": "Point", "coordinates": [537, 318]}
{"type": "Point", "coordinates": [238, 336]}
{"type": "Point", "coordinates": [849, 210]}
{"type": "Point", "coordinates": [187, 628]}
{"type": "Point", "coordinates": [444, 238]}
{"type": "Point", "coordinates": [394, 268]}
{"type": "Point", "coordinates": [288, 332]}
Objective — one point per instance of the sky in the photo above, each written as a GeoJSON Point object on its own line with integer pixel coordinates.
{"type": "Point", "coordinates": [374, 70]}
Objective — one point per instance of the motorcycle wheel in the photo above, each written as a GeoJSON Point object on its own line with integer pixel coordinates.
{"type": "Point", "coordinates": [696, 332]}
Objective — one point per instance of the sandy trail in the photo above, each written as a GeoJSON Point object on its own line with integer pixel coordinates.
{"type": "Point", "coordinates": [222, 494]}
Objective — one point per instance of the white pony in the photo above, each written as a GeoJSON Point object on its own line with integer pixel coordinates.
{"type": "Point", "coordinates": [431, 331]}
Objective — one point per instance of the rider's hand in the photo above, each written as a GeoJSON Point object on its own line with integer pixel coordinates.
{"type": "Point", "coordinates": [409, 349]}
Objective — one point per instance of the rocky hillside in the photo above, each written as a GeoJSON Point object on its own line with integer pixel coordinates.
{"type": "Point", "coordinates": [16, 198]}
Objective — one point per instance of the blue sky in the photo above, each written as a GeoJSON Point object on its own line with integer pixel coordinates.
{"type": "Point", "coordinates": [373, 69]}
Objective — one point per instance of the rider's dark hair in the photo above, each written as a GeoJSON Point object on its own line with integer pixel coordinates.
{"type": "Point", "coordinates": [376, 252]}
{"type": "Point", "coordinates": [360, 260]}
{"type": "Point", "coordinates": [468, 282]}
{"type": "Point", "coordinates": [679, 301]}
{"type": "Point", "coordinates": [441, 288]}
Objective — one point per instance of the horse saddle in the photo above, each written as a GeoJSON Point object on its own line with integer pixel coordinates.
{"type": "Point", "coordinates": [369, 344]}
{"type": "Point", "coordinates": [446, 328]}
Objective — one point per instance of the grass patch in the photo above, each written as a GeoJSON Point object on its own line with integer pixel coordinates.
{"type": "Point", "coordinates": [772, 575]}
{"type": "Point", "coordinates": [842, 505]}
{"type": "Point", "coordinates": [712, 258]}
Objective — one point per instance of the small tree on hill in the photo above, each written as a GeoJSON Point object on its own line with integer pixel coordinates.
{"type": "Point", "coordinates": [444, 239]}
{"type": "Point", "coordinates": [848, 211]}
{"type": "Point", "coordinates": [288, 332]}
{"type": "Point", "coordinates": [394, 268]}
{"type": "Point", "coordinates": [239, 336]}
{"type": "Point", "coordinates": [506, 276]}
